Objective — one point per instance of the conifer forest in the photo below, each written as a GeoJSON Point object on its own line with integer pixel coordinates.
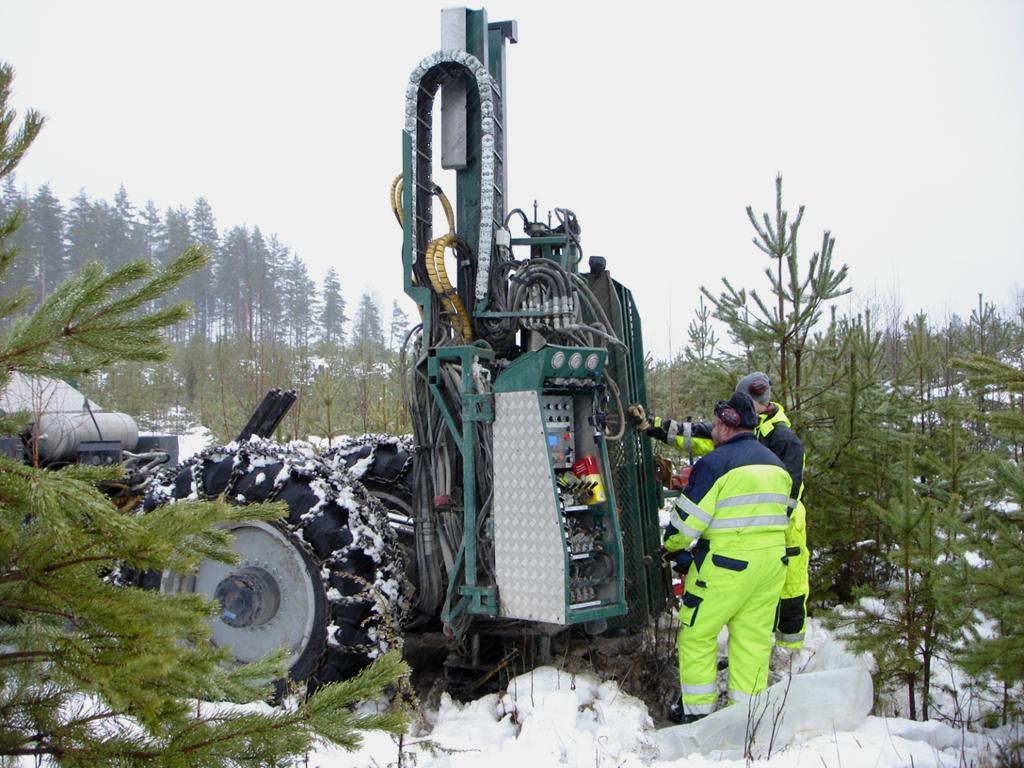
{"type": "Point", "coordinates": [259, 320]}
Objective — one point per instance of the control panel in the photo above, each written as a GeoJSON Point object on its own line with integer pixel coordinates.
{"type": "Point", "coordinates": [556, 411]}
{"type": "Point", "coordinates": [557, 542]}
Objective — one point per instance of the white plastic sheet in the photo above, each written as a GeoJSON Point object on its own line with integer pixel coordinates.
{"type": "Point", "coordinates": [834, 694]}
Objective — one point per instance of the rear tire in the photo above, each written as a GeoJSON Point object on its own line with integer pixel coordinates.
{"type": "Point", "coordinates": [328, 582]}
{"type": "Point", "coordinates": [384, 465]}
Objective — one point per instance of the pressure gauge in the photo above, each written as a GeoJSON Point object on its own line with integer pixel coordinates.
{"type": "Point", "coordinates": [575, 360]}
{"type": "Point", "coordinates": [592, 361]}
{"type": "Point", "coordinates": [558, 359]}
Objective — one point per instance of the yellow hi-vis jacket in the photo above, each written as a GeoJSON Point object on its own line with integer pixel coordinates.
{"type": "Point", "coordinates": [773, 431]}
{"type": "Point", "coordinates": [739, 494]}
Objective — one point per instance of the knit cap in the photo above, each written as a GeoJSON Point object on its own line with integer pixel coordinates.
{"type": "Point", "coordinates": [758, 386]}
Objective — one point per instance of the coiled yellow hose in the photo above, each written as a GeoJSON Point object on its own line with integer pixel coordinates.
{"type": "Point", "coordinates": [443, 287]}
{"type": "Point", "coordinates": [396, 198]}
{"type": "Point", "coordinates": [435, 257]}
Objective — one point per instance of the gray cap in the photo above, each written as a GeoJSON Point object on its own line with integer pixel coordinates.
{"type": "Point", "coordinates": [757, 385]}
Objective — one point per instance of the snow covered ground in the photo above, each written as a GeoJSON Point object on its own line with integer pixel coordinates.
{"type": "Point", "coordinates": [552, 718]}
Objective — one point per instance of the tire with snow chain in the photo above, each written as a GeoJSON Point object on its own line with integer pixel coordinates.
{"type": "Point", "coordinates": [382, 463]}
{"type": "Point", "coordinates": [328, 582]}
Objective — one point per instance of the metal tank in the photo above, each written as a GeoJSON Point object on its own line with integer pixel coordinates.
{"type": "Point", "coordinates": [60, 435]}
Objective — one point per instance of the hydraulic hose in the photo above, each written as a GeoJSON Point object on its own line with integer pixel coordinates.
{"type": "Point", "coordinates": [397, 188]}
{"type": "Point", "coordinates": [423, 84]}
{"type": "Point", "coordinates": [439, 275]}
{"type": "Point", "coordinates": [448, 212]}
{"type": "Point", "coordinates": [443, 287]}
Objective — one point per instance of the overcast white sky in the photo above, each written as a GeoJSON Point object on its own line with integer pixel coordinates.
{"type": "Point", "coordinates": [900, 125]}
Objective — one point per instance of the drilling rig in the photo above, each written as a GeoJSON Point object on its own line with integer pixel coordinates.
{"type": "Point", "coordinates": [524, 504]}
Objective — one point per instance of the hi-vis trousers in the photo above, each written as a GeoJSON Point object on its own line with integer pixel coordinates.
{"type": "Point", "coordinates": [791, 619]}
{"type": "Point", "coordinates": [738, 588]}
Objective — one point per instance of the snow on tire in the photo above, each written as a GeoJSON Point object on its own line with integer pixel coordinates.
{"type": "Point", "coordinates": [383, 463]}
{"type": "Point", "coordinates": [328, 582]}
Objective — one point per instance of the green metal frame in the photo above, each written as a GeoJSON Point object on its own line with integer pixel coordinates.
{"type": "Point", "coordinates": [649, 587]}
{"type": "Point", "coordinates": [557, 248]}
{"type": "Point", "coordinates": [467, 180]}
{"type": "Point", "coordinates": [465, 595]}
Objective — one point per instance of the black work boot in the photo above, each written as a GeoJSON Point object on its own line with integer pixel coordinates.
{"type": "Point", "coordinates": [678, 715]}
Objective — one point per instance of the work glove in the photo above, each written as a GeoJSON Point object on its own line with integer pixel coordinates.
{"type": "Point", "coordinates": [678, 561]}
{"type": "Point", "coordinates": [663, 470]}
{"type": "Point", "coordinates": [639, 417]}
{"type": "Point", "coordinates": [680, 481]}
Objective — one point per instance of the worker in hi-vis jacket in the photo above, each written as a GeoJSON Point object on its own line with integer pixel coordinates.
{"type": "Point", "coordinates": [731, 518]}
{"type": "Point", "coordinates": [775, 432]}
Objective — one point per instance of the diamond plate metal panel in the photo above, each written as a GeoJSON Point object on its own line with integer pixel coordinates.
{"type": "Point", "coordinates": [529, 553]}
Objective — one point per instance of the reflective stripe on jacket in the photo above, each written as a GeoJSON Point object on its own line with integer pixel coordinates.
{"type": "Point", "coordinates": [740, 490]}
{"type": "Point", "coordinates": [687, 436]}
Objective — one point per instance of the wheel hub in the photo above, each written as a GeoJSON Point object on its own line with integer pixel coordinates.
{"type": "Point", "coordinates": [273, 600]}
{"type": "Point", "coordinates": [249, 597]}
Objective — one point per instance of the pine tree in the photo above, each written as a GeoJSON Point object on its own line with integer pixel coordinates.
{"type": "Point", "coordinates": [698, 376]}
{"type": "Point", "coordinates": [93, 674]}
{"type": "Point", "coordinates": [177, 237]}
{"type": "Point", "coordinates": [954, 473]}
{"type": "Point", "coordinates": [852, 436]}
{"type": "Point", "coordinates": [397, 328]}
{"type": "Point", "coordinates": [334, 318]}
{"type": "Point", "coordinates": [911, 621]}
{"type": "Point", "coordinates": [268, 261]}
{"type": "Point", "coordinates": [227, 280]}
{"type": "Point", "coordinates": [177, 231]}
{"type": "Point", "coordinates": [297, 295]}
{"type": "Point", "coordinates": [367, 330]}
{"type": "Point", "coordinates": [204, 225]}
{"type": "Point", "coordinates": [328, 393]}
{"type": "Point", "coordinates": [780, 334]}
{"type": "Point", "coordinates": [12, 211]}
{"type": "Point", "coordinates": [119, 245]}
{"type": "Point", "coordinates": [782, 329]}
{"type": "Point", "coordinates": [701, 337]}
{"type": "Point", "coordinates": [14, 141]}
{"type": "Point", "coordinates": [150, 233]}
{"type": "Point", "coordinates": [367, 353]}
{"type": "Point", "coordinates": [83, 232]}
{"type": "Point", "coordinates": [204, 233]}
{"type": "Point", "coordinates": [912, 612]}
{"type": "Point", "coordinates": [46, 249]}
{"type": "Point", "coordinates": [996, 588]}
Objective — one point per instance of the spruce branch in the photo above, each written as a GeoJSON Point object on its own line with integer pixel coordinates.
{"type": "Point", "coordinates": [95, 318]}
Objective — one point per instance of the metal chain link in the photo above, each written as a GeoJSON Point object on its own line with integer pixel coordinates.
{"type": "Point", "coordinates": [368, 514]}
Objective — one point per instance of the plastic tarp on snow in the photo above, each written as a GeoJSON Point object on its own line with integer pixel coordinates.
{"type": "Point", "coordinates": [833, 694]}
